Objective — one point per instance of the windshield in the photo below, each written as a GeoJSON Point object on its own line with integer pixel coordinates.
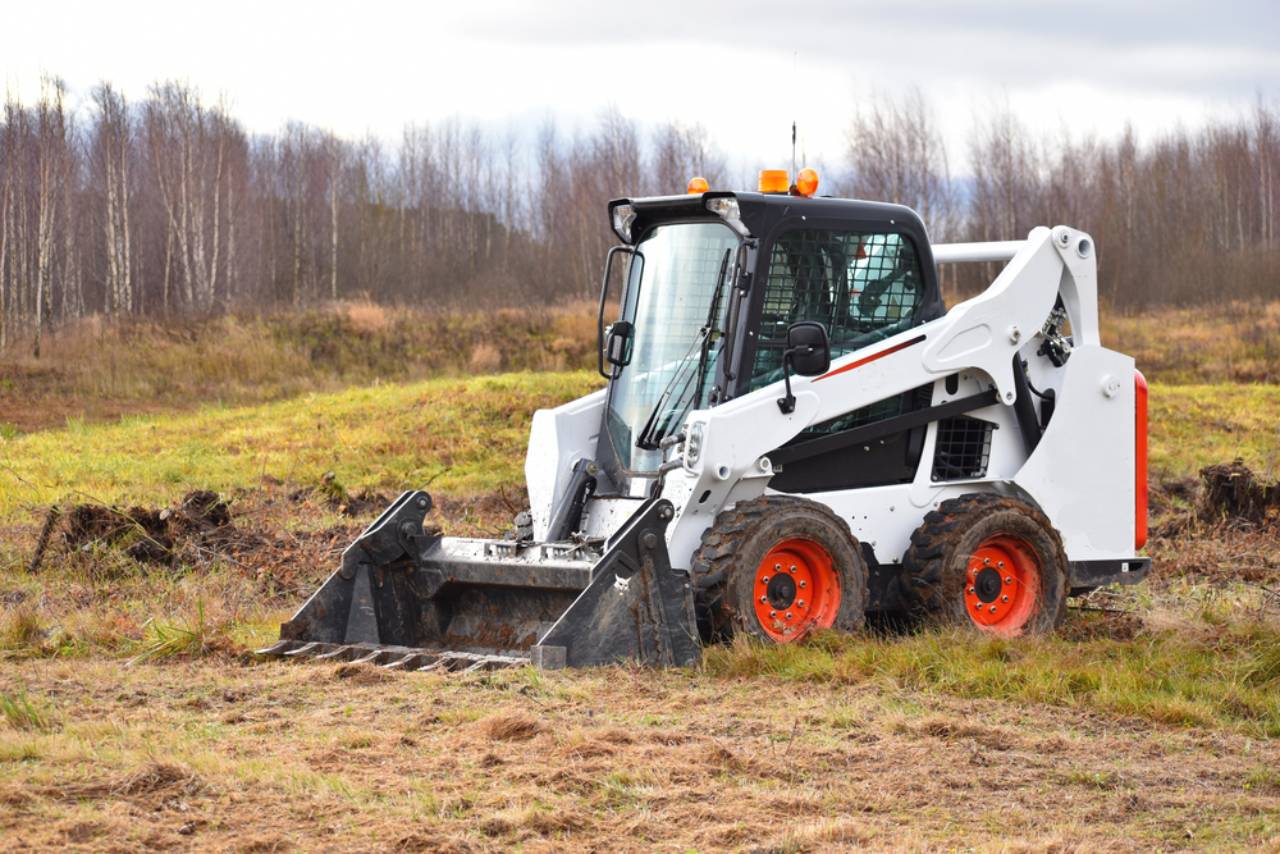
{"type": "Point", "coordinates": [673, 291]}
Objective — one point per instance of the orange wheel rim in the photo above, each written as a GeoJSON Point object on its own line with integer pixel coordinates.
{"type": "Point", "coordinates": [1002, 585]}
{"type": "Point", "coordinates": [796, 590]}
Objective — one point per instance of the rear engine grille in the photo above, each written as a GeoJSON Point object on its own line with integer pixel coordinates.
{"type": "Point", "coordinates": [963, 448]}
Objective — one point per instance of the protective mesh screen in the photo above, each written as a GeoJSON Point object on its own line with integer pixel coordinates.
{"type": "Point", "coordinates": [963, 448]}
{"type": "Point", "coordinates": [862, 286]}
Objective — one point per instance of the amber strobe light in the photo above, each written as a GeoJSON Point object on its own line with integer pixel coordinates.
{"type": "Point", "coordinates": [806, 182]}
{"type": "Point", "coordinates": [774, 181]}
{"type": "Point", "coordinates": [697, 184]}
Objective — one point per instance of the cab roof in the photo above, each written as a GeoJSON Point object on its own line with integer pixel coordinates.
{"type": "Point", "coordinates": [761, 213]}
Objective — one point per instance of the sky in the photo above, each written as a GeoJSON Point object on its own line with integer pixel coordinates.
{"type": "Point", "coordinates": [744, 70]}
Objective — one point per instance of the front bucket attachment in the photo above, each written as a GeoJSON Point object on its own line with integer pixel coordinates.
{"type": "Point", "coordinates": [406, 598]}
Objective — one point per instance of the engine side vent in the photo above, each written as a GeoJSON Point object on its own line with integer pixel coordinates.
{"type": "Point", "coordinates": [963, 448]}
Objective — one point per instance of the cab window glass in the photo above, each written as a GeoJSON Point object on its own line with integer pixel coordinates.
{"type": "Point", "coordinates": [863, 286]}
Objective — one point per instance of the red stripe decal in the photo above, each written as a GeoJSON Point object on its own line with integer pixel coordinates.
{"type": "Point", "coordinates": [865, 359]}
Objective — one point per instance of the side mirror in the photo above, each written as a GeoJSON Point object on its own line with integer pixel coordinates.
{"type": "Point", "coordinates": [618, 345]}
{"type": "Point", "coordinates": [808, 353]}
{"type": "Point", "coordinates": [623, 342]}
{"type": "Point", "coordinates": [808, 348]}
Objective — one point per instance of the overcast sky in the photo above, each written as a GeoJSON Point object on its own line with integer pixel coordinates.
{"type": "Point", "coordinates": [743, 69]}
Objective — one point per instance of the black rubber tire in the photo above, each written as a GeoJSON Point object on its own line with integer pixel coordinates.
{"type": "Point", "coordinates": [723, 567]}
{"type": "Point", "coordinates": [935, 565]}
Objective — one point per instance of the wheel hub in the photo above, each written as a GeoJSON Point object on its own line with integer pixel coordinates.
{"type": "Point", "coordinates": [1002, 585]}
{"type": "Point", "coordinates": [796, 590]}
{"type": "Point", "coordinates": [987, 585]}
{"type": "Point", "coordinates": [781, 591]}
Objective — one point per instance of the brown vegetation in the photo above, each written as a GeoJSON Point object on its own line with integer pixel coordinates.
{"type": "Point", "coordinates": [99, 369]}
{"type": "Point", "coordinates": [170, 206]}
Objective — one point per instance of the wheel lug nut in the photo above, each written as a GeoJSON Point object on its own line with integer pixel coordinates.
{"type": "Point", "coordinates": [788, 615]}
{"type": "Point", "coordinates": [800, 603]}
{"type": "Point", "coordinates": [978, 605]}
{"type": "Point", "coordinates": [773, 613]}
{"type": "Point", "coordinates": [1004, 598]}
{"type": "Point", "coordinates": [764, 579]}
{"type": "Point", "coordinates": [777, 567]}
{"type": "Point", "coordinates": [764, 599]}
{"type": "Point", "coordinates": [970, 589]}
{"type": "Point", "coordinates": [986, 561]}
{"type": "Point", "coordinates": [1008, 579]}
{"type": "Point", "coordinates": [793, 569]}
{"type": "Point", "coordinates": [1000, 564]}
{"type": "Point", "coordinates": [993, 609]}
{"type": "Point", "coordinates": [801, 585]}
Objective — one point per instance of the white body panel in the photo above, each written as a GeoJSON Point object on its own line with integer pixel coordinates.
{"type": "Point", "coordinates": [558, 438]}
{"type": "Point", "coordinates": [1081, 473]}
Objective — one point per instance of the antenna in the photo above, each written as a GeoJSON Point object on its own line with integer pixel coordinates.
{"type": "Point", "coordinates": [794, 55]}
{"type": "Point", "coordinates": [793, 149]}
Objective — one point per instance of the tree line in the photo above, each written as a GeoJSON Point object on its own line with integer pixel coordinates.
{"type": "Point", "coordinates": [169, 206]}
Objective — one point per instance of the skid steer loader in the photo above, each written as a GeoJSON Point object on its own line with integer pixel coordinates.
{"type": "Point", "coordinates": [794, 433]}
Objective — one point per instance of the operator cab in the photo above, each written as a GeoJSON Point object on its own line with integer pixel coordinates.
{"type": "Point", "coordinates": [713, 282]}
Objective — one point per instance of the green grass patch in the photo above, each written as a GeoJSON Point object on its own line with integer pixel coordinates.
{"type": "Point", "coordinates": [1197, 425]}
{"type": "Point", "coordinates": [1224, 678]}
{"type": "Point", "coordinates": [21, 712]}
{"type": "Point", "coordinates": [461, 436]}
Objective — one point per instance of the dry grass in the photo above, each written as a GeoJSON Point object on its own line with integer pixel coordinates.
{"type": "Point", "coordinates": [1231, 342]}
{"type": "Point", "coordinates": [280, 757]}
{"type": "Point", "coordinates": [96, 370]}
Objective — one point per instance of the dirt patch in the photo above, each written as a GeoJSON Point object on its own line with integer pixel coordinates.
{"type": "Point", "coordinates": [1092, 622]}
{"type": "Point", "coordinates": [148, 535]}
{"type": "Point", "coordinates": [1232, 494]}
{"type": "Point", "coordinates": [332, 494]}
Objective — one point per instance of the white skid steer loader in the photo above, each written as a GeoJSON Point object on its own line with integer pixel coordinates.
{"type": "Point", "coordinates": [794, 433]}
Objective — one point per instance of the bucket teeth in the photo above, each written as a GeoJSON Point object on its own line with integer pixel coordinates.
{"type": "Point", "coordinates": [412, 661]}
{"type": "Point", "coordinates": [375, 656]}
{"type": "Point", "coordinates": [277, 648]}
{"type": "Point", "coordinates": [342, 653]}
{"type": "Point", "coordinates": [394, 658]}
{"type": "Point", "coordinates": [309, 650]}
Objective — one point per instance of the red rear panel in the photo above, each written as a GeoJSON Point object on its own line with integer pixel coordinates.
{"type": "Point", "coordinates": [1140, 459]}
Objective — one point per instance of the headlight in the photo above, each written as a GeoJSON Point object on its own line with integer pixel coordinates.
{"type": "Point", "coordinates": [693, 444]}
{"type": "Point", "coordinates": [623, 217]}
{"type": "Point", "coordinates": [726, 207]}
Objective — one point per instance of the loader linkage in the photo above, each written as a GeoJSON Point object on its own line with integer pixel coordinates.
{"type": "Point", "coordinates": [406, 598]}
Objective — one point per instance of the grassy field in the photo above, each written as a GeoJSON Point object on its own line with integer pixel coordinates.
{"type": "Point", "coordinates": [464, 437]}
{"type": "Point", "coordinates": [131, 715]}
{"type": "Point", "coordinates": [94, 371]}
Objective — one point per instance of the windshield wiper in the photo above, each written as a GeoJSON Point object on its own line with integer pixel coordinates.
{"type": "Point", "coordinates": [657, 426]}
